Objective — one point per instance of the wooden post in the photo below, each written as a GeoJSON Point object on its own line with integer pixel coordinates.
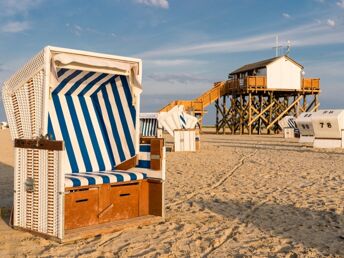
{"type": "Point", "coordinates": [305, 102]}
{"type": "Point", "coordinates": [297, 111]}
{"type": "Point", "coordinates": [242, 112]}
{"type": "Point", "coordinates": [249, 113]}
{"type": "Point", "coordinates": [270, 109]}
{"type": "Point", "coordinates": [225, 112]}
{"type": "Point", "coordinates": [233, 111]}
{"type": "Point", "coordinates": [217, 115]}
{"type": "Point", "coordinates": [316, 96]}
{"type": "Point", "coordinates": [260, 111]}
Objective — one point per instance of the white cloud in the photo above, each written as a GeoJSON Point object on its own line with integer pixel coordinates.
{"type": "Point", "coordinates": [15, 26]}
{"type": "Point", "coordinates": [331, 23]}
{"type": "Point", "coordinates": [305, 35]}
{"type": "Point", "coordinates": [341, 4]}
{"type": "Point", "coordinates": [324, 68]}
{"type": "Point", "coordinates": [157, 3]}
{"type": "Point", "coordinates": [13, 7]}
{"type": "Point", "coordinates": [78, 30]}
{"type": "Point", "coordinates": [181, 78]}
{"type": "Point", "coordinates": [286, 15]}
{"type": "Point", "coordinates": [75, 29]}
{"type": "Point", "coordinates": [172, 62]}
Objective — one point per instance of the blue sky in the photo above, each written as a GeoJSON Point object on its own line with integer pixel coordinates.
{"type": "Point", "coordinates": [186, 45]}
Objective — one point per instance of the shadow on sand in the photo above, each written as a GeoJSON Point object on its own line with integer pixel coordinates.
{"type": "Point", "coordinates": [322, 230]}
{"type": "Point", "coordinates": [277, 147]}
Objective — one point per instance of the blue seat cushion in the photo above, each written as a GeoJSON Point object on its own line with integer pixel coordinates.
{"type": "Point", "coordinates": [105, 177]}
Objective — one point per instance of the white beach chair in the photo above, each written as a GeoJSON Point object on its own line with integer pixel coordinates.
{"type": "Point", "coordinates": [182, 127]}
{"type": "Point", "coordinates": [328, 128]}
{"type": "Point", "coordinates": [74, 119]}
{"type": "Point", "coordinates": [289, 127]}
{"type": "Point", "coordinates": [305, 126]}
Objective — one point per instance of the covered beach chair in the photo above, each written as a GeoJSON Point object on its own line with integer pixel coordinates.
{"type": "Point", "coordinates": [149, 125]}
{"type": "Point", "coordinates": [305, 126]}
{"type": "Point", "coordinates": [328, 126]}
{"type": "Point", "coordinates": [182, 127]}
{"type": "Point", "coordinates": [80, 166]}
{"type": "Point", "coordinates": [289, 127]}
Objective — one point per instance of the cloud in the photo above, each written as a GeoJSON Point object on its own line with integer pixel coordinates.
{"type": "Point", "coordinates": [172, 62]}
{"type": "Point", "coordinates": [341, 4]}
{"type": "Point", "coordinates": [15, 26]}
{"type": "Point", "coordinates": [75, 29]}
{"type": "Point", "coordinates": [78, 30]}
{"type": "Point", "coordinates": [181, 78]}
{"type": "Point", "coordinates": [331, 23]}
{"type": "Point", "coordinates": [14, 7]}
{"type": "Point", "coordinates": [325, 68]}
{"type": "Point", "coordinates": [286, 15]}
{"type": "Point", "coordinates": [157, 3]}
{"type": "Point", "coordinates": [312, 34]}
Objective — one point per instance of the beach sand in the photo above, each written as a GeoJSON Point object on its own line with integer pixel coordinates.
{"type": "Point", "coordinates": [239, 196]}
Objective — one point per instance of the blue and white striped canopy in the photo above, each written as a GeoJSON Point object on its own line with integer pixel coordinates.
{"type": "Point", "coordinates": [149, 127]}
{"type": "Point", "coordinates": [93, 114]}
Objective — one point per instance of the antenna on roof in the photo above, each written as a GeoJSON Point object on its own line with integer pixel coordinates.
{"type": "Point", "coordinates": [277, 47]}
{"type": "Point", "coordinates": [288, 48]}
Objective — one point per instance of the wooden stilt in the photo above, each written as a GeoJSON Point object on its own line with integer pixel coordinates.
{"type": "Point", "coordinates": [224, 111]}
{"type": "Point", "coordinates": [249, 113]}
{"type": "Point", "coordinates": [258, 110]}
{"type": "Point", "coordinates": [217, 116]}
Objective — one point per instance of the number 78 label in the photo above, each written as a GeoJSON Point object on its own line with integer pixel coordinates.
{"type": "Point", "coordinates": [325, 125]}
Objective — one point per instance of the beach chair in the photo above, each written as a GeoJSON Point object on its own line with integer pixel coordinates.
{"type": "Point", "coordinates": [328, 128]}
{"type": "Point", "coordinates": [80, 166]}
{"type": "Point", "coordinates": [182, 127]}
{"type": "Point", "coordinates": [149, 125]}
{"type": "Point", "coordinates": [289, 127]}
{"type": "Point", "coordinates": [305, 126]}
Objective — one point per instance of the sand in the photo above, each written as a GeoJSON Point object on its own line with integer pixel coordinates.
{"type": "Point", "coordinates": [239, 196]}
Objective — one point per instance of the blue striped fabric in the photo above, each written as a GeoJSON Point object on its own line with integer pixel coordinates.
{"type": "Point", "coordinates": [144, 156]}
{"type": "Point", "coordinates": [108, 177]}
{"type": "Point", "coordinates": [149, 127]}
{"type": "Point", "coordinates": [292, 124]}
{"type": "Point", "coordinates": [182, 120]}
{"type": "Point", "coordinates": [94, 116]}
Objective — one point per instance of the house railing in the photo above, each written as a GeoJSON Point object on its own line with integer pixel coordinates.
{"type": "Point", "coordinates": [260, 83]}
{"type": "Point", "coordinates": [310, 84]}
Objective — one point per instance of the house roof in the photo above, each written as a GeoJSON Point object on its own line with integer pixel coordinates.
{"type": "Point", "coordinates": [261, 64]}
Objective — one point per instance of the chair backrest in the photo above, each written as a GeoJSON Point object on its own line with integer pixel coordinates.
{"type": "Point", "coordinates": [287, 122]}
{"type": "Point", "coordinates": [149, 127]}
{"type": "Point", "coordinates": [93, 113]}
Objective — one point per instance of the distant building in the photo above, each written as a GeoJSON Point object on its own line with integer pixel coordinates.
{"type": "Point", "coordinates": [280, 72]}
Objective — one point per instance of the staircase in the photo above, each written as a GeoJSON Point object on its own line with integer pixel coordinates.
{"type": "Point", "coordinates": [197, 105]}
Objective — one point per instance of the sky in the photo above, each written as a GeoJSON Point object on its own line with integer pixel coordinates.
{"type": "Point", "coordinates": [185, 45]}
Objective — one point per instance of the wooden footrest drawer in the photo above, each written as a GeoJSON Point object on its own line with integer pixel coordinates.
{"type": "Point", "coordinates": [125, 200]}
{"type": "Point", "coordinates": [81, 208]}
{"type": "Point", "coordinates": [85, 206]}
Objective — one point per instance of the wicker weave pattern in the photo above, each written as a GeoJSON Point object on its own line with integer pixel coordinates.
{"type": "Point", "coordinates": [25, 73]}
{"type": "Point", "coordinates": [37, 210]}
{"type": "Point", "coordinates": [26, 105]}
